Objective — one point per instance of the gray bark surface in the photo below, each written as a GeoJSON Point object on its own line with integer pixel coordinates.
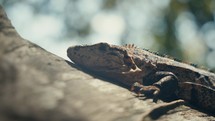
{"type": "Point", "coordinates": [36, 85]}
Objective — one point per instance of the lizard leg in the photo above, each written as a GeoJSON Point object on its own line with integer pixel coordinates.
{"type": "Point", "coordinates": [166, 86]}
{"type": "Point", "coordinates": [141, 89]}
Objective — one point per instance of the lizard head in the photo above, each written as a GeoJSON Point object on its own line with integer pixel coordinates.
{"type": "Point", "coordinates": [118, 62]}
{"type": "Point", "coordinates": [102, 57]}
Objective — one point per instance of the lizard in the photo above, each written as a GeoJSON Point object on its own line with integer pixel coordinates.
{"type": "Point", "coordinates": [148, 73]}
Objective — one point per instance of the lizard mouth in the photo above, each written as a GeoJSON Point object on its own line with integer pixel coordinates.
{"type": "Point", "coordinates": [102, 56]}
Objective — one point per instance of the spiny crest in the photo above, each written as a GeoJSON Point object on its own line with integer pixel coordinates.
{"type": "Point", "coordinates": [130, 46]}
{"type": "Point", "coordinates": [156, 53]}
{"type": "Point", "coordinates": [175, 59]}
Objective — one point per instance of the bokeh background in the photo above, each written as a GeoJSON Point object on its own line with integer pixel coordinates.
{"type": "Point", "coordinates": [184, 29]}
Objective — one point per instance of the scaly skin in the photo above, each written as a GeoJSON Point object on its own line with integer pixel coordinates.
{"type": "Point", "coordinates": [148, 73]}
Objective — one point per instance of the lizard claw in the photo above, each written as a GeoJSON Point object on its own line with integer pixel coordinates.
{"type": "Point", "coordinates": [147, 90]}
{"type": "Point", "coordinates": [136, 86]}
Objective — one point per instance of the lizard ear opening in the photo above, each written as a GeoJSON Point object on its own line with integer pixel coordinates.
{"type": "Point", "coordinates": [129, 62]}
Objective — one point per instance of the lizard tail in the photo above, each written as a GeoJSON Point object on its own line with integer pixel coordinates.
{"type": "Point", "coordinates": [161, 109]}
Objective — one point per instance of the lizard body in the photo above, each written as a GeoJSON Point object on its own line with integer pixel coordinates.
{"type": "Point", "coordinates": [148, 73]}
